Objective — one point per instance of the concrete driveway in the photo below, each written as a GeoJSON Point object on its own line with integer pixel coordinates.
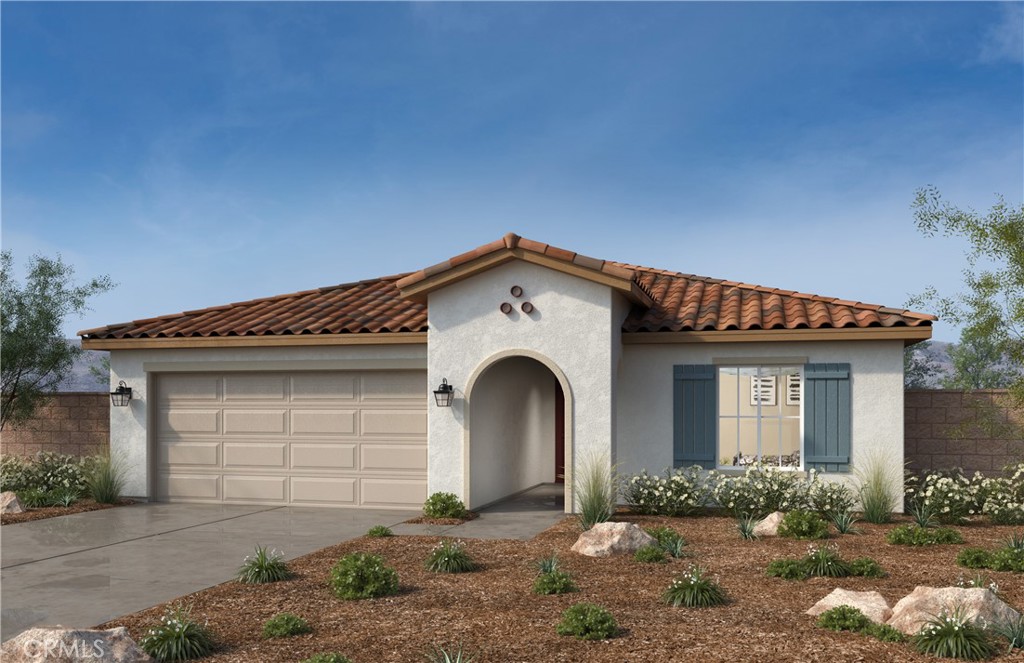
{"type": "Point", "coordinates": [87, 568]}
{"type": "Point", "coordinates": [84, 569]}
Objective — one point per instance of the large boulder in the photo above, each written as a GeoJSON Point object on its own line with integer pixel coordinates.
{"type": "Point", "coordinates": [872, 604]}
{"type": "Point", "coordinates": [770, 525]}
{"type": "Point", "coordinates": [64, 645]}
{"type": "Point", "coordinates": [9, 503]}
{"type": "Point", "coordinates": [924, 603]}
{"type": "Point", "coordinates": [610, 539]}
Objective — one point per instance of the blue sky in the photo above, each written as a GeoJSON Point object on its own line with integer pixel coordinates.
{"type": "Point", "coordinates": [207, 153]}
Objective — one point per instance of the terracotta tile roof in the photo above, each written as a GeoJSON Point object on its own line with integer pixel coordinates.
{"type": "Point", "coordinates": [681, 302]}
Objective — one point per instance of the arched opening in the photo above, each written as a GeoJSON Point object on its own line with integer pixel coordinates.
{"type": "Point", "coordinates": [518, 434]}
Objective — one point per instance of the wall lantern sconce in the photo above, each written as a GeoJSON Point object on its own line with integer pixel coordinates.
{"type": "Point", "coordinates": [444, 394]}
{"type": "Point", "coordinates": [120, 396]}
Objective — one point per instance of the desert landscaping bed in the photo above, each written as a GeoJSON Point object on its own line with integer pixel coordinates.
{"type": "Point", "coordinates": [42, 513]}
{"type": "Point", "coordinates": [494, 613]}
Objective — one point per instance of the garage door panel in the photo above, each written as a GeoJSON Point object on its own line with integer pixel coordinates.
{"type": "Point", "coordinates": [184, 421]}
{"type": "Point", "coordinates": [393, 457]}
{"type": "Point", "coordinates": [408, 493]}
{"type": "Point", "coordinates": [254, 421]}
{"type": "Point", "coordinates": [256, 454]}
{"type": "Point", "coordinates": [339, 491]}
{"type": "Point", "coordinates": [190, 487]}
{"type": "Point", "coordinates": [394, 422]}
{"type": "Point", "coordinates": [321, 422]}
{"type": "Point", "coordinates": [323, 456]}
{"type": "Point", "coordinates": [391, 386]}
{"type": "Point", "coordinates": [202, 454]}
{"type": "Point", "coordinates": [255, 387]}
{"type": "Point", "coordinates": [333, 386]}
{"type": "Point", "coordinates": [256, 488]}
{"type": "Point", "coordinates": [189, 387]}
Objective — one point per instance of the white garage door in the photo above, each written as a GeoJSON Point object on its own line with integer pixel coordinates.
{"type": "Point", "coordinates": [334, 438]}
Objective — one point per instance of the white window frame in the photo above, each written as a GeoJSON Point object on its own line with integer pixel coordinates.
{"type": "Point", "coordinates": [739, 398]}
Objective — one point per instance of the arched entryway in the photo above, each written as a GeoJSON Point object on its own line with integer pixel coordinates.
{"type": "Point", "coordinates": [519, 429]}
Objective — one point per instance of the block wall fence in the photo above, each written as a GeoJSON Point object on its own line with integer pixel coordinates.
{"type": "Point", "coordinates": [71, 423]}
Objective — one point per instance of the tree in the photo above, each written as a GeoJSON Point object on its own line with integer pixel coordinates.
{"type": "Point", "coordinates": [918, 368]}
{"type": "Point", "coordinates": [978, 363]}
{"type": "Point", "coordinates": [34, 356]}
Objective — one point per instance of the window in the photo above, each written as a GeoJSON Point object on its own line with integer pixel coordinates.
{"type": "Point", "coordinates": [756, 422]}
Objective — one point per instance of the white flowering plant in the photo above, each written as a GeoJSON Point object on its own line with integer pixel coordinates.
{"type": "Point", "coordinates": [761, 489]}
{"type": "Point", "coordinates": [46, 472]}
{"type": "Point", "coordinates": [1004, 497]}
{"type": "Point", "coordinates": [953, 497]}
{"type": "Point", "coordinates": [178, 637]}
{"type": "Point", "coordinates": [952, 634]}
{"type": "Point", "coordinates": [679, 492]}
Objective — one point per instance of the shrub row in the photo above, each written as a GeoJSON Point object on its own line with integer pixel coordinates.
{"type": "Point", "coordinates": [953, 497]}
{"type": "Point", "coordinates": [823, 561]}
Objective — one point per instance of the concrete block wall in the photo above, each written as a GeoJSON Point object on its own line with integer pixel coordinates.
{"type": "Point", "coordinates": [70, 423]}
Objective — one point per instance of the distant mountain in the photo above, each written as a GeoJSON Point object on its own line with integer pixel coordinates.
{"type": "Point", "coordinates": [937, 352]}
{"type": "Point", "coordinates": [81, 378]}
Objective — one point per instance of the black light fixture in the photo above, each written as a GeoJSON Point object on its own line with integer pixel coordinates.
{"type": "Point", "coordinates": [120, 396]}
{"type": "Point", "coordinates": [444, 394]}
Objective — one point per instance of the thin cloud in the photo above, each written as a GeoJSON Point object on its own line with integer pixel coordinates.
{"type": "Point", "coordinates": [1004, 41]}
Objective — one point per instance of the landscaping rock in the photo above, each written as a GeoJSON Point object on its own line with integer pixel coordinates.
{"type": "Point", "coordinates": [770, 525]}
{"type": "Point", "coordinates": [65, 645]}
{"type": "Point", "coordinates": [610, 539]}
{"type": "Point", "coordinates": [9, 503]}
{"type": "Point", "coordinates": [913, 610]}
{"type": "Point", "coordinates": [872, 604]}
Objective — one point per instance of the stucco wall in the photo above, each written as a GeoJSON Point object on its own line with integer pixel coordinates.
{"type": "Point", "coordinates": [128, 425]}
{"type": "Point", "coordinates": [571, 327]}
{"type": "Point", "coordinates": [644, 427]}
{"type": "Point", "coordinates": [513, 429]}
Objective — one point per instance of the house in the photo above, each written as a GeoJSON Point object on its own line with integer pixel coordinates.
{"type": "Point", "coordinates": [323, 397]}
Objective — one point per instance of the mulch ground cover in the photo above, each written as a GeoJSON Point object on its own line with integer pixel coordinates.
{"type": "Point", "coordinates": [494, 613]}
{"type": "Point", "coordinates": [80, 506]}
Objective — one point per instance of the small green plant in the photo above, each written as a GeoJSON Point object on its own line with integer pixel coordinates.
{"type": "Point", "coordinates": [105, 480]}
{"type": "Point", "coordinates": [449, 556]}
{"type": "Point", "coordinates": [554, 582]}
{"type": "Point", "coordinates": [746, 524]}
{"type": "Point", "coordinates": [787, 569]}
{"type": "Point", "coordinates": [1015, 542]}
{"type": "Point", "coordinates": [177, 637]}
{"type": "Point", "coordinates": [954, 635]}
{"type": "Point", "coordinates": [695, 588]}
{"type": "Point", "coordinates": [362, 576]}
{"type": "Point", "coordinates": [263, 566]}
{"type": "Point", "coordinates": [284, 625]}
{"type": "Point", "coordinates": [64, 497]}
{"type": "Point", "coordinates": [596, 488]}
{"type": "Point", "coordinates": [670, 540]}
{"type": "Point", "coordinates": [867, 568]}
{"type": "Point", "coordinates": [587, 621]}
{"type": "Point", "coordinates": [912, 535]}
{"type": "Point", "coordinates": [448, 654]}
{"type": "Point", "coordinates": [843, 618]}
{"type": "Point", "coordinates": [547, 564]}
{"type": "Point", "coordinates": [800, 524]}
{"type": "Point", "coordinates": [444, 505]}
{"type": "Point", "coordinates": [675, 547]}
{"type": "Point", "coordinates": [327, 657]}
{"type": "Point", "coordinates": [844, 522]}
{"type": "Point", "coordinates": [824, 561]}
{"type": "Point", "coordinates": [974, 558]}
{"type": "Point", "coordinates": [379, 532]}
{"type": "Point", "coordinates": [1008, 559]}
{"type": "Point", "coordinates": [879, 489]}
{"type": "Point", "coordinates": [1013, 631]}
{"type": "Point", "coordinates": [923, 513]}
{"type": "Point", "coordinates": [978, 580]}
{"type": "Point", "coordinates": [650, 554]}
{"type": "Point", "coordinates": [884, 632]}
{"type": "Point", "coordinates": [35, 498]}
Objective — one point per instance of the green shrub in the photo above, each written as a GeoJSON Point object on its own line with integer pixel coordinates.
{"type": "Point", "coordinates": [327, 657]}
{"type": "Point", "coordinates": [680, 492]}
{"type": "Point", "coordinates": [596, 488]}
{"type": "Point", "coordinates": [444, 505]}
{"type": "Point", "coordinates": [830, 498]}
{"type": "Point", "coordinates": [824, 561]}
{"type": "Point", "coordinates": [448, 654]}
{"type": "Point", "coordinates": [35, 498]}
{"type": "Point", "coordinates": [950, 496]}
{"type": "Point", "coordinates": [177, 637]}
{"type": "Point", "coordinates": [912, 535]}
{"type": "Point", "coordinates": [284, 625]}
{"type": "Point", "coordinates": [587, 621]}
{"type": "Point", "coordinates": [843, 618]}
{"type": "Point", "coordinates": [746, 524]}
{"type": "Point", "coordinates": [884, 632]}
{"type": "Point", "coordinates": [554, 582]}
{"type": "Point", "coordinates": [547, 564]}
{"type": "Point", "coordinates": [362, 576]}
{"type": "Point", "coordinates": [263, 566]}
{"type": "Point", "coordinates": [1008, 559]}
{"type": "Point", "coordinates": [954, 635]}
{"type": "Point", "coordinates": [650, 554]}
{"type": "Point", "coordinates": [866, 568]}
{"type": "Point", "coordinates": [760, 490]}
{"type": "Point", "coordinates": [379, 532]}
{"type": "Point", "coordinates": [879, 489]}
{"type": "Point", "coordinates": [449, 556]}
{"type": "Point", "coordinates": [844, 522]}
{"type": "Point", "coordinates": [923, 513]}
{"type": "Point", "coordinates": [64, 497]}
{"type": "Point", "coordinates": [1004, 496]}
{"type": "Point", "coordinates": [974, 558]}
{"type": "Point", "coordinates": [800, 524]}
{"type": "Point", "coordinates": [1015, 542]}
{"type": "Point", "coordinates": [1013, 631]}
{"type": "Point", "coordinates": [694, 589]}
{"type": "Point", "coordinates": [669, 539]}
{"type": "Point", "coordinates": [104, 482]}
{"type": "Point", "coordinates": [787, 569]}
{"type": "Point", "coordinates": [15, 474]}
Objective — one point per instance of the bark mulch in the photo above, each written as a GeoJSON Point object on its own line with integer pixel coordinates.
{"type": "Point", "coordinates": [81, 506]}
{"type": "Point", "coordinates": [494, 613]}
{"type": "Point", "coordinates": [427, 520]}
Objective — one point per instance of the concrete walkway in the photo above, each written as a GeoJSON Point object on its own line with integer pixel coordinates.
{"type": "Point", "coordinates": [88, 568]}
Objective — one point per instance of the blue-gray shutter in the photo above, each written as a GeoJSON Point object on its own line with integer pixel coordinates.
{"type": "Point", "coordinates": [827, 417]}
{"type": "Point", "coordinates": [695, 400]}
